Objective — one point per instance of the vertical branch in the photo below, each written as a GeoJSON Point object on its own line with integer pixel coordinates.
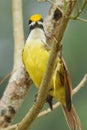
{"type": "Point", "coordinates": [19, 82]}
{"type": "Point", "coordinates": [17, 31]}
{"type": "Point", "coordinates": [52, 23]}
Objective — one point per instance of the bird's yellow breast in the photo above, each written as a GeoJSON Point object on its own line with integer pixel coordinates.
{"type": "Point", "coordinates": [35, 57]}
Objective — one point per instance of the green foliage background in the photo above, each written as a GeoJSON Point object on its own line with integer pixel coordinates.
{"type": "Point", "coordinates": [74, 53]}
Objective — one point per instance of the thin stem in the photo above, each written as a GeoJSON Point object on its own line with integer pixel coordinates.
{"type": "Point", "coordinates": [51, 2]}
{"type": "Point", "coordinates": [80, 11]}
{"type": "Point", "coordinates": [65, 4]}
{"type": "Point", "coordinates": [81, 19]}
{"type": "Point", "coordinates": [77, 6]}
{"type": "Point", "coordinates": [5, 78]}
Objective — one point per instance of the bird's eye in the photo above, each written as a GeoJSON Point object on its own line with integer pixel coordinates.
{"type": "Point", "coordinates": [29, 22]}
{"type": "Point", "coordinates": [41, 20]}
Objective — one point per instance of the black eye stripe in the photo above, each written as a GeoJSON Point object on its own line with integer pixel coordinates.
{"type": "Point", "coordinates": [33, 25]}
{"type": "Point", "coordinates": [36, 25]}
{"type": "Point", "coordinates": [41, 20]}
{"type": "Point", "coordinates": [30, 22]}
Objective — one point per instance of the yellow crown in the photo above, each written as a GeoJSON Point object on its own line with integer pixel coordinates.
{"type": "Point", "coordinates": [35, 17]}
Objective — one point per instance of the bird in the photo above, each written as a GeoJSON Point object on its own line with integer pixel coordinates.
{"type": "Point", "coordinates": [35, 56]}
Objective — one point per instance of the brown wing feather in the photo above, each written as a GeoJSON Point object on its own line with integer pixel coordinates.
{"type": "Point", "coordinates": [65, 81]}
{"type": "Point", "coordinates": [72, 118]}
{"type": "Point", "coordinates": [69, 110]}
{"type": "Point", "coordinates": [67, 90]}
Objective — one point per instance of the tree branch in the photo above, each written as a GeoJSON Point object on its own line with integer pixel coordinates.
{"type": "Point", "coordinates": [17, 32]}
{"type": "Point", "coordinates": [43, 113]}
{"type": "Point", "coordinates": [6, 77]}
{"type": "Point", "coordinates": [19, 82]}
{"type": "Point", "coordinates": [52, 24]}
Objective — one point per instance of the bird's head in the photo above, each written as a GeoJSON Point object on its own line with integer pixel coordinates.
{"type": "Point", "coordinates": [36, 29]}
{"type": "Point", "coordinates": [35, 21]}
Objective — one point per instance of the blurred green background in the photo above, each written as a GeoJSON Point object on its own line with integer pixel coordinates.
{"type": "Point", "coordinates": [74, 53]}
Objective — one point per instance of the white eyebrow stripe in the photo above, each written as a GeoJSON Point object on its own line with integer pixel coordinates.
{"type": "Point", "coordinates": [39, 22]}
{"type": "Point", "coordinates": [32, 23]}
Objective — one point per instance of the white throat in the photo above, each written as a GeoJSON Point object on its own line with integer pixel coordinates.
{"type": "Point", "coordinates": [37, 33]}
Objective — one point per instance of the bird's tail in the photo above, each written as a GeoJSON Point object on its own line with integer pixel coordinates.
{"type": "Point", "coordinates": [72, 118]}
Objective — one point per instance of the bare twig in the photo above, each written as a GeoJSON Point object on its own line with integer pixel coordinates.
{"type": "Point", "coordinates": [79, 11]}
{"type": "Point", "coordinates": [82, 19]}
{"type": "Point", "coordinates": [45, 112]}
{"type": "Point", "coordinates": [52, 3]}
{"type": "Point", "coordinates": [6, 77]}
{"type": "Point", "coordinates": [13, 127]}
{"type": "Point", "coordinates": [80, 85]}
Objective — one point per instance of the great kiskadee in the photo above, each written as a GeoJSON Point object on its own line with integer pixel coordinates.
{"type": "Point", "coordinates": [35, 56]}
